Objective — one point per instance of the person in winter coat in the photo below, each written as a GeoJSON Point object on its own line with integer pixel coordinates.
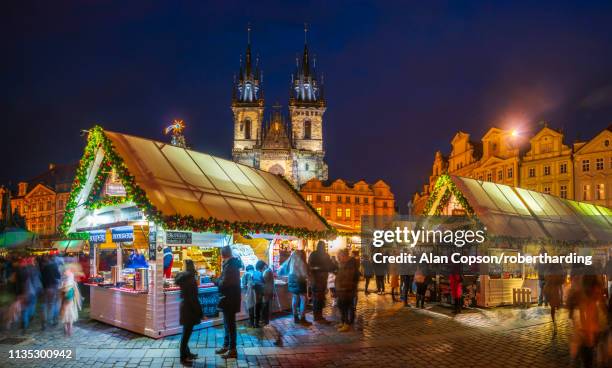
{"type": "Point", "coordinates": [71, 302]}
{"type": "Point", "coordinates": [229, 300]}
{"type": "Point", "coordinates": [609, 275]}
{"type": "Point", "coordinates": [380, 269]}
{"type": "Point", "coordinates": [319, 264]}
{"type": "Point", "coordinates": [268, 290]}
{"type": "Point", "coordinates": [297, 270]}
{"type": "Point", "coordinates": [542, 269]}
{"type": "Point", "coordinates": [331, 285]}
{"type": "Point", "coordinates": [347, 278]}
{"type": "Point", "coordinates": [553, 289]}
{"type": "Point", "coordinates": [252, 295]}
{"type": "Point", "coordinates": [51, 279]}
{"type": "Point", "coordinates": [368, 271]}
{"type": "Point", "coordinates": [456, 289]}
{"type": "Point", "coordinates": [190, 311]}
{"type": "Point", "coordinates": [420, 279]}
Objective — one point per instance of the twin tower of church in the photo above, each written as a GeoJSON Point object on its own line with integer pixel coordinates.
{"type": "Point", "coordinates": [268, 142]}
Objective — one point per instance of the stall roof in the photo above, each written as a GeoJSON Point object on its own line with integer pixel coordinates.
{"type": "Point", "coordinates": [69, 246]}
{"type": "Point", "coordinates": [190, 183]}
{"type": "Point", "coordinates": [522, 213]}
{"type": "Point", "coordinates": [17, 238]}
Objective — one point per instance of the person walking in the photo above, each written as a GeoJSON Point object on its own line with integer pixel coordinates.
{"type": "Point", "coordinates": [268, 290]}
{"type": "Point", "coordinates": [553, 290]}
{"type": "Point", "coordinates": [456, 289]}
{"type": "Point", "coordinates": [609, 274]}
{"type": "Point", "coordinates": [190, 311]}
{"type": "Point", "coordinates": [51, 278]}
{"type": "Point", "coordinates": [542, 271]}
{"type": "Point", "coordinates": [71, 302]}
{"type": "Point", "coordinates": [297, 270]}
{"type": "Point", "coordinates": [395, 282]}
{"type": "Point", "coordinates": [319, 265]}
{"type": "Point", "coordinates": [420, 279]}
{"type": "Point", "coordinates": [347, 278]}
{"type": "Point", "coordinates": [229, 300]}
{"type": "Point", "coordinates": [368, 272]}
{"type": "Point", "coordinates": [380, 270]}
{"type": "Point", "coordinates": [250, 295]}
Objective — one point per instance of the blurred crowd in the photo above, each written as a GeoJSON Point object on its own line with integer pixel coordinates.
{"type": "Point", "coordinates": [45, 286]}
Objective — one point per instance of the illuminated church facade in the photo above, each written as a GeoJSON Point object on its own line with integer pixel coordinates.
{"type": "Point", "coordinates": [292, 148]}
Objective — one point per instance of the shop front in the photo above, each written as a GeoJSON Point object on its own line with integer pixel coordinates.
{"type": "Point", "coordinates": [147, 207]}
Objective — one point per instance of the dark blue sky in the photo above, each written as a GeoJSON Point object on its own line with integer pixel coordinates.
{"type": "Point", "coordinates": [401, 78]}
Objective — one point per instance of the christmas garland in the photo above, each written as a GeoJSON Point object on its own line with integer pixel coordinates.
{"type": "Point", "coordinates": [445, 181]}
{"type": "Point", "coordinates": [134, 194]}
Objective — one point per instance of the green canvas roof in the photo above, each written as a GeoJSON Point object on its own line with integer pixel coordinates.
{"type": "Point", "coordinates": [17, 238]}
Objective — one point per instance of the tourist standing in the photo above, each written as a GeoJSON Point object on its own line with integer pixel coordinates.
{"type": "Point", "coordinates": [609, 274]}
{"type": "Point", "coordinates": [250, 295]}
{"type": "Point", "coordinates": [368, 272]}
{"type": "Point", "coordinates": [347, 278]}
{"type": "Point", "coordinates": [190, 311]}
{"type": "Point", "coordinates": [456, 289]}
{"type": "Point", "coordinates": [553, 290]}
{"type": "Point", "coordinates": [542, 271]}
{"type": "Point", "coordinates": [268, 290]}
{"type": "Point", "coordinates": [380, 270]}
{"type": "Point", "coordinates": [319, 265]}
{"type": "Point", "coordinates": [420, 279]}
{"type": "Point", "coordinates": [229, 300]}
{"type": "Point", "coordinates": [71, 302]}
{"type": "Point", "coordinates": [297, 270]}
{"type": "Point", "coordinates": [51, 279]}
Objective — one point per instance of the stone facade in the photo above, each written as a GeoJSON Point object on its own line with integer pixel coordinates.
{"type": "Point", "coordinates": [294, 150]}
{"type": "Point", "coordinates": [544, 164]}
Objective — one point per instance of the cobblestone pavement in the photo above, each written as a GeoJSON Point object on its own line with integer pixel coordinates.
{"type": "Point", "coordinates": [386, 334]}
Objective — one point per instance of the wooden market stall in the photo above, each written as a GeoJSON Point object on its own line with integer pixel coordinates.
{"type": "Point", "coordinates": [147, 206]}
{"type": "Point", "coordinates": [520, 220]}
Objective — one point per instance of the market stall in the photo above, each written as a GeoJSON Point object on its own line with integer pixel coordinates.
{"type": "Point", "coordinates": [520, 220]}
{"type": "Point", "coordinates": [147, 206]}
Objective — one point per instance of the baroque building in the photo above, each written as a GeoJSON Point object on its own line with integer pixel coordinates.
{"type": "Point", "coordinates": [294, 149]}
{"type": "Point", "coordinates": [582, 172]}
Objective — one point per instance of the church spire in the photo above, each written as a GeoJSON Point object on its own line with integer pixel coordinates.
{"type": "Point", "coordinates": [305, 87]}
{"type": "Point", "coordinates": [247, 87]}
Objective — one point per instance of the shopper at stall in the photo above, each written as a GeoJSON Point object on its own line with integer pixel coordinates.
{"type": "Point", "coordinates": [268, 290]}
{"type": "Point", "coordinates": [250, 296]}
{"type": "Point", "coordinates": [368, 271]}
{"type": "Point", "coordinates": [229, 300]}
{"type": "Point", "coordinates": [420, 279]}
{"type": "Point", "coordinates": [319, 265]}
{"type": "Point", "coordinates": [168, 261]}
{"type": "Point", "coordinates": [347, 278]}
{"type": "Point", "coordinates": [380, 269]}
{"type": "Point", "coordinates": [190, 310]}
{"type": "Point", "coordinates": [51, 279]}
{"type": "Point", "coordinates": [456, 288]}
{"type": "Point", "coordinates": [297, 270]}
{"type": "Point", "coordinates": [71, 302]}
{"type": "Point", "coordinates": [553, 285]}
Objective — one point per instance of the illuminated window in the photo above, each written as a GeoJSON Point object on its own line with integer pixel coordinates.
{"type": "Point", "coordinates": [532, 172]}
{"type": "Point", "coordinates": [563, 168]}
{"type": "Point", "coordinates": [546, 170]}
{"type": "Point", "coordinates": [347, 213]}
{"type": "Point", "coordinates": [585, 165]}
{"type": "Point", "coordinates": [326, 198]}
{"type": "Point", "coordinates": [319, 210]}
{"type": "Point", "coordinates": [309, 197]}
{"type": "Point", "coordinates": [599, 164]}
{"type": "Point", "coordinates": [339, 213]}
{"type": "Point", "coordinates": [510, 172]}
{"type": "Point", "coordinates": [489, 177]}
{"type": "Point", "coordinates": [600, 191]}
{"type": "Point", "coordinates": [586, 192]}
{"type": "Point", "coordinates": [563, 191]}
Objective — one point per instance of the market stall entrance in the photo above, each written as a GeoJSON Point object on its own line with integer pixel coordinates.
{"type": "Point", "coordinates": [147, 206]}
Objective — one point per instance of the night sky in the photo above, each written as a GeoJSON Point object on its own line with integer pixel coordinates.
{"type": "Point", "coordinates": [400, 78]}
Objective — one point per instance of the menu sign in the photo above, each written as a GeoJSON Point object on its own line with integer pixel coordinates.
{"type": "Point", "coordinates": [122, 234]}
{"type": "Point", "coordinates": [97, 236]}
{"type": "Point", "coordinates": [178, 237]}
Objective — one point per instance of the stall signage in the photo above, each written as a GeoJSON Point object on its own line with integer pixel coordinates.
{"type": "Point", "coordinates": [178, 237]}
{"type": "Point", "coordinates": [97, 236]}
{"type": "Point", "coordinates": [122, 234]}
{"type": "Point", "coordinates": [152, 245]}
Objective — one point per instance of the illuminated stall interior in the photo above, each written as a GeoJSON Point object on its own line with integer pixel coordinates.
{"type": "Point", "coordinates": [523, 221]}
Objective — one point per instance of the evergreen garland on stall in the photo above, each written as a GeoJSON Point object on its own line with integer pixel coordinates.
{"type": "Point", "coordinates": [134, 194]}
{"type": "Point", "coordinates": [445, 181]}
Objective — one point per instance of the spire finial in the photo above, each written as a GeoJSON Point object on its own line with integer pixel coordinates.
{"type": "Point", "coordinates": [249, 33]}
{"type": "Point", "coordinates": [305, 33]}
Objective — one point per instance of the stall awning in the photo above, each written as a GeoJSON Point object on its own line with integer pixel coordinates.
{"type": "Point", "coordinates": [14, 238]}
{"type": "Point", "coordinates": [522, 213]}
{"type": "Point", "coordinates": [69, 246]}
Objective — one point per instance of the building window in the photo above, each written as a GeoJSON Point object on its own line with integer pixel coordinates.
{"type": "Point", "coordinates": [547, 190]}
{"type": "Point", "coordinates": [510, 172]}
{"type": "Point", "coordinates": [357, 200]}
{"type": "Point", "coordinates": [49, 202]}
{"type": "Point", "coordinates": [385, 204]}
{"type": "Point", "coordinates": [309, 197]}
{"type": "Point", "coordinates": [339, 199]}
{"type": "Point", "coordinates": [247, 129]}
{"type": "Point", "coordinates": [319, 198]}
{"type": "Point", "coordinates": [307, 129]}
{"type": "Point", "coordinates": [546, 170]}
{"type": "Point", "coordinates": [327, 212]}
{"type": "Point", "coordinates": [599, 164]}
{"type": "Point", "coordinates": [319, 210]}
{"type": "Point", "coordinates": [306, 167]}
{"type": "Point", "coordinates": [586, 192]}
{"type": "Point", "coordinates": [563, 191]}
{"type": "Point", "coordinates": [347, 213]}
{"type": "Point", "coordinates": [563, 168]}
{"type": "Point", "coordinates": [339, 213]}
{"type": "Point", "coordinates": [366, 200]}
{"type": "Point", "coordinates": [357, 213]}
{"type": "Point", "coordinates": [585, 165]}
{"type": "Point", "coordinates": [500, 175]}
{"type": "Point", "coordinates": [532, 172]}
{"type": "Point", "coordinates": [601, 191]}
{"type": "Point", "coordinates": [326, 198]}
{"type": "Point", "coordinates": [347, 199]}
{"type": "Point", "coordinates": [489, 177]}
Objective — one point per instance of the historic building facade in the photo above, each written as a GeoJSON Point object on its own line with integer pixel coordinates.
{"type": "Point", "coordinates": [293, 149]}
{"type": "Point", "coordinates": [343, 203]}
{"type": "Point", "coordinates": [41, 201]}
{"type": "Point", "coordinates": [546, 164]}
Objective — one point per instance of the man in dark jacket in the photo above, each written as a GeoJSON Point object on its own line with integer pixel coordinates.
{"type": "Point", "coordinates": [347, 278]}
{"type": "Point", "coordinates": [190, 311]}
{"type": "Point", "coordinates": [319, 264]}
{"type": "Point", "coordinates": [51, 279]}
{"type": "Point", "coordinates": [229, 300]}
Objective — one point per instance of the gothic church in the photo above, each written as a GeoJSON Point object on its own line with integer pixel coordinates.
{"type": "Point", "coordinates": [293, 149]}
